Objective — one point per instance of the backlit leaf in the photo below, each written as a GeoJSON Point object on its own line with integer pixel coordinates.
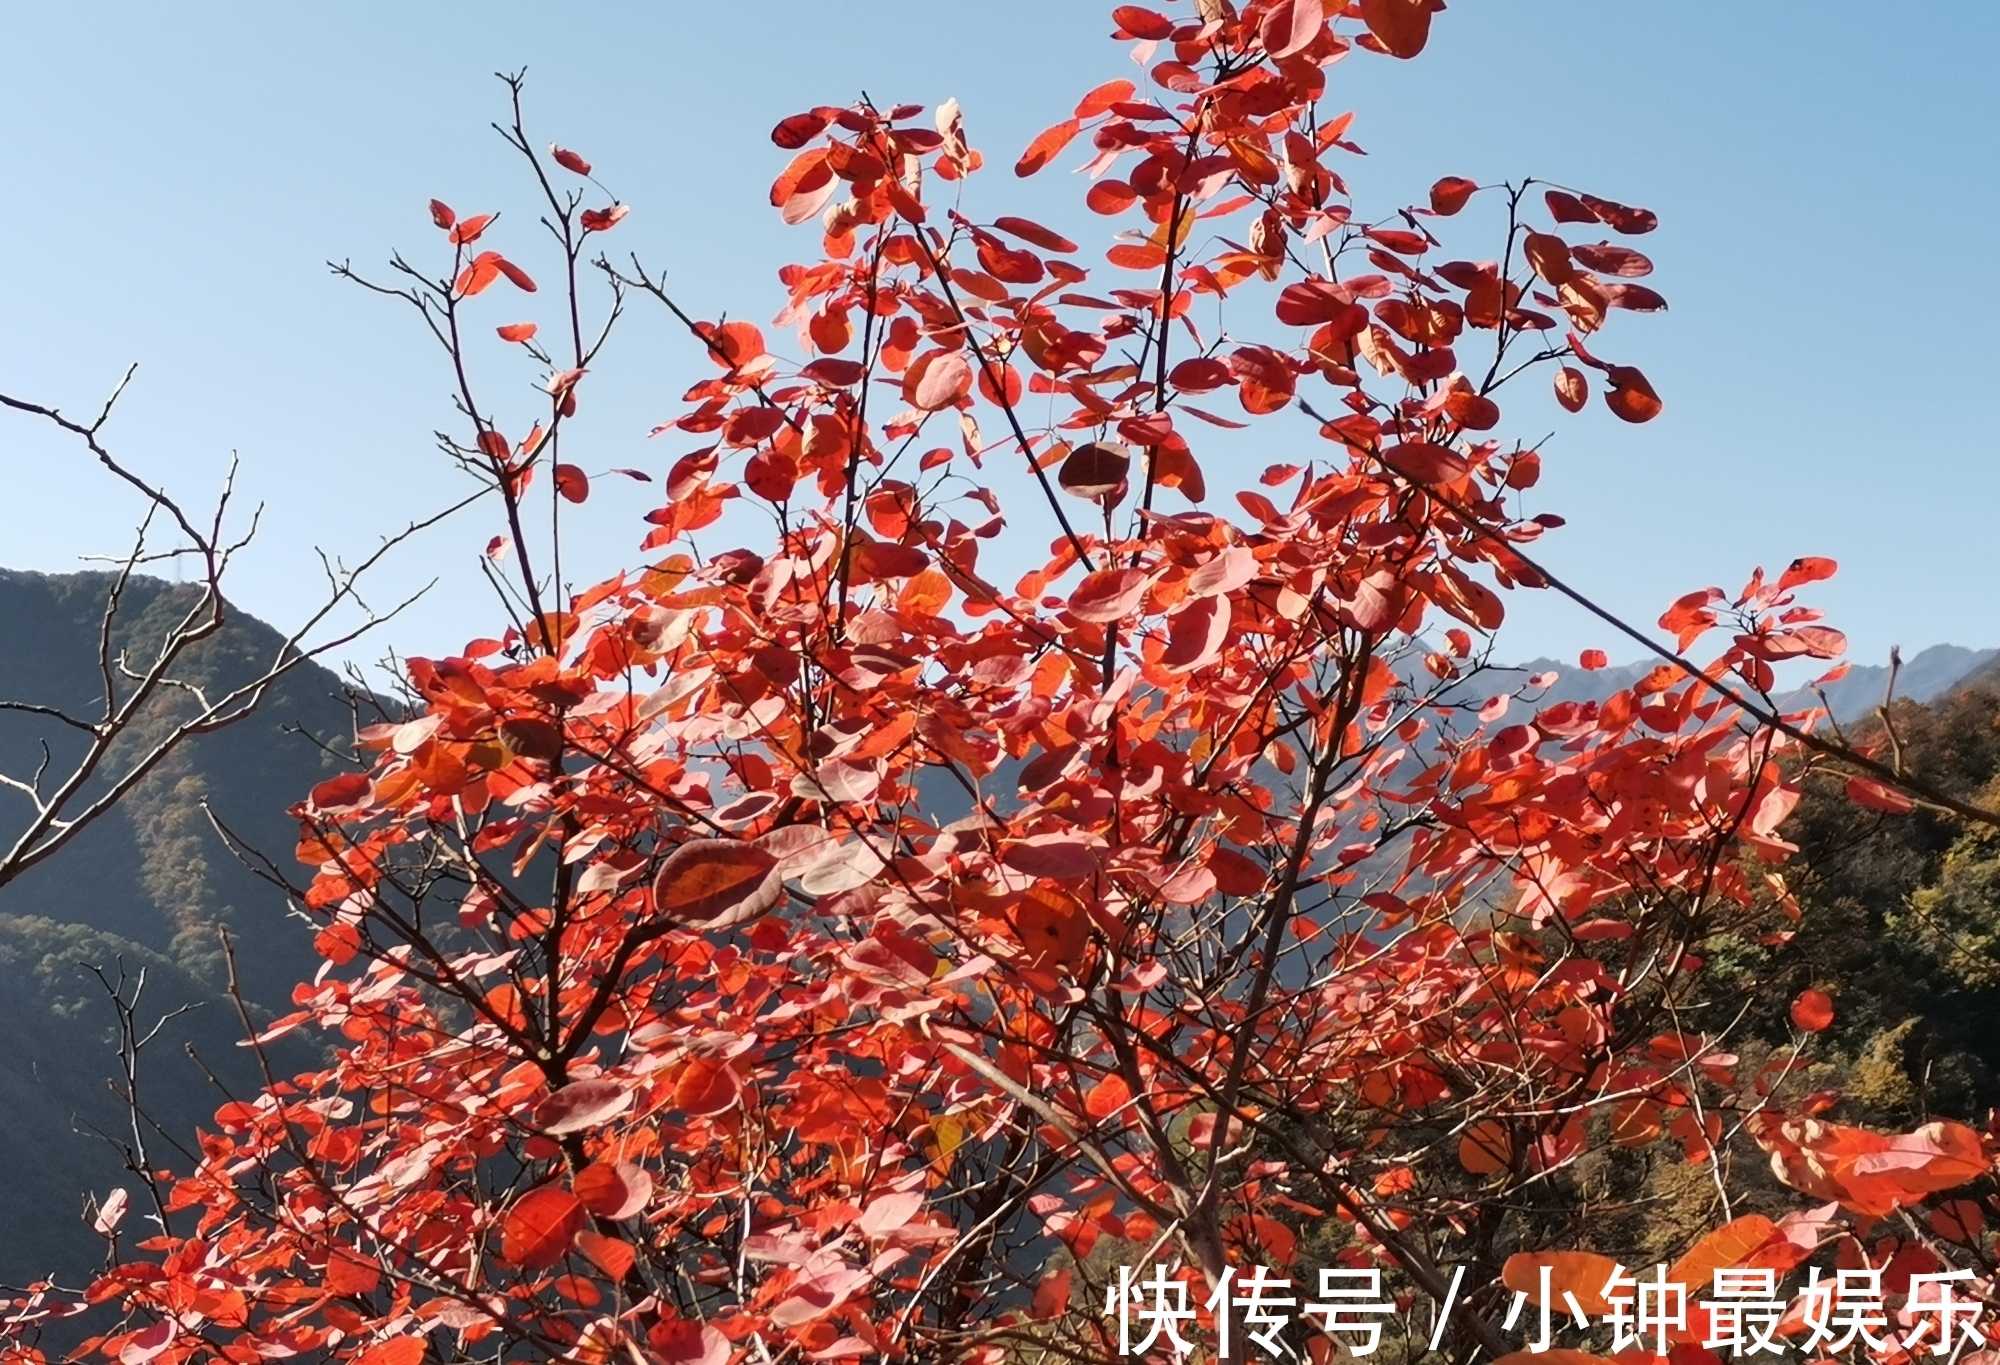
{"type": "Point", "coordinates": [536, 1231]}
{"type": "Point", "coordinates": [1046, 145]}
{"type": "Point", "coordinates": [717, 883]}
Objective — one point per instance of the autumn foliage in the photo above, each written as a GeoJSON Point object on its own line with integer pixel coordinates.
{"type": "Point", "coordinates": [823, 949]}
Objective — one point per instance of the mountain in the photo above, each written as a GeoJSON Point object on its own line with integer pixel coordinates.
{"type": "Point", "coordinates": [1923, 677]}
{"type": "Point", "coordinates": [144, 891]}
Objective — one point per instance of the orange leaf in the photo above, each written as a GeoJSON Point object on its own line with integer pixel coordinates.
{"type": "Point", "coordinates": [1046, 145]}
{"type": "Point", "coordinates": [1813, 1011]}
{"type": "Point", "coordinates": [1581, 1273]}
{"type": "Point", "coordinates": [706, 1087]}
{"type": "Point", "coordinates": [1136, 21]}
{"type": "Point", "coordinates": [537, 1230]}
{"type": "Point", "coordinates": [1103, 97]}
{"type": "Point", "coordinates": [394, 1351]}
{"type": "Point", "coordinates": [1729, 1246]}
{"type": "Point", "coordinates": [1107, 1097]}
{"type": "Point", "coordinates": [608, 1254]}
{"type": "Point", "coordinates": [469, 230]}
{"type": "Point", "coordinates": [569, 160]}
{"type": "Point", "coordinates": [517, 331]}
{"type": "Point", "coordinates": [1865, 791]}
{"type": "Point", "coordinates": [613, 1189]}
{"type": "Point", "coordinates": [1486, 1148]}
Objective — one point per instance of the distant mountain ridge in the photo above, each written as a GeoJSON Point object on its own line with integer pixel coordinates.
{"type": "Point", "coordinates": [1922, 677]}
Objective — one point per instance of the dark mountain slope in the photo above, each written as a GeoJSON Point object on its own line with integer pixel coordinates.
{"type": "Point", "coordinates": [149, 887]}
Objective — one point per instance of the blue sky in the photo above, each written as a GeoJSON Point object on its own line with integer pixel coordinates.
{"type": "Point", "coordinates": [1823, 174]}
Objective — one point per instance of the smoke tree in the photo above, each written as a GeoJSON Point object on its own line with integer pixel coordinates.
{"type": "Point", "coordinates": [821, 949]}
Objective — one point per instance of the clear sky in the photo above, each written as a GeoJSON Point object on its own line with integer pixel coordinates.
{"type": "Point", "coordinates": [1824, 175]}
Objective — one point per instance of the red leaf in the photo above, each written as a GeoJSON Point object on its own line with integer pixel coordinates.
{"type": "Point", "coordinates": [469, 230]}
{"type": "Point", "coordinates": [1047, 144]}
{"type": "Point", "coordinates": [945, 378]}
{"type": "Point", "coordinates": [1423, 463]}
{"type": "Point", "coordinates": [441, 213]}
{"type": "Point", "coordinates": [613, 1189]}
{"type": "Point", "coordinates": [1812, 1011]}
{"type": "Point", "coordinates": [1377, 603]}
{"type": "Point", "coordinates": [1864, 791]}
{"type": "Point", "coordinates": [1034, 232]}
{"type": "Point", "coordinates": [1108, 594]}
{"type": "Point", "coordinates": [1291, 25]}
{"type": "Point", "coordinates": [572, 483]}
{"type": "Point", "coordinates": [348, 792]}
{"type": "Point", "coordinates": [515, 273]}
{"type": "Point", "coordinates": [537, 1231]}
{"type": "Point", "coordinates": [569, 160]}
{"type": "Point", "coordinates": [1200, 375]}
{"type": "Point", "coordinates": [517, 331]}
{"type": "Point", "coordinates": [1135, 21]}
{"type": "Point", "coordinates": [1635, 297]}
{"type": "Point", "coordinates": [581, 1105]}
{"type": "Point", "coordinates": [1572, 389]}
{"type": "Point", "coordinates": [795, 132]}
{"type": "Point", "coordinates": [1111, 196]}
{"type": "Point", "coordinates": [1613, 260]}
{"type": "Point", "coordinates": [734, 344]}
{"type": "Point", "coordinates": [1592, 659]}
{"type": "Point", "coordinates": [483, 270]}
{"type": "Point", "coordinates": [717, 883]}
{"type": "Point", "coordinates": [1095, 471]}
{"type": "Point", "coordinates": [1051, 1297]}
{"type": "Point", "coordinates": [1314, 301]}
{"type": "Point", "coordinates": [1807, 569]}
{"type": "Point", "coordinates": [1196, 634]}
{"type": "Point", "coordinates": [706, 1087]}
{"type": "Point", "coordinates": [1103, 97]}
{"type": "Point", "coordinates": [1620, 218]}
{"type": "Point", "coordinates": [394, 1351]}
{"type": "Point", "coordinates": [603, 220]}
{"type": "Point", "coordinates": [609, 1254]}
{"type": "Point", "coordinates": [1107, 1098]}
{"type": "Point", "coordinates": [1630, 395]}
{"type": "Point", "coordinates": [681, 1342]}
{"type": "Point", "coordinates": [1567, 208]}
{"type": "Point", "coordinates": [1448, 196]}
{"type": "Point", "coordinates": [1401, 26]}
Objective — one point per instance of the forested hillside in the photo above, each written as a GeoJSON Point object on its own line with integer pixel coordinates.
{"type": "Point", "coordinates": [148, 889]}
